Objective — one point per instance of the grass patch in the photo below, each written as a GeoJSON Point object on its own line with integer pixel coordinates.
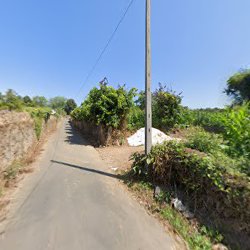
{"type": "Point", "coordinates": [197, 237]}
{"type": "Point", "coordinates": [38, 126]}
{"type": "Point", "coordinates": [191, 235]}
{"type": "Point", "coordinates": [39, 116]}
{"type": "Point", "coordinates": [12, 171]}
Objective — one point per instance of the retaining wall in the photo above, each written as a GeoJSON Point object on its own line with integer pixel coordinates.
{"type": "Point", "coordinates": [17, 136]}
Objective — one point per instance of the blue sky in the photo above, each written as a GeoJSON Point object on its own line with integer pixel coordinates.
{"type": "Point", "coordinates": [48, 47]}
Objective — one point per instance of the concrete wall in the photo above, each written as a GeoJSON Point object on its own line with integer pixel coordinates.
{"type": "Point", "coordinates": [17, 136]}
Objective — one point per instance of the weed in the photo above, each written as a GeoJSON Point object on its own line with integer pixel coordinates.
{"type": "Point", "coordinates": [213, 180]}
{"type": "Point", "coordinates": [145, 185]}
{"type": "Point", "coordinates": [12, 171]}
{"type": "Point", "coordinates": [199, 139]}
{"type": "Point", "coordinates": [38, 126]}
{"type": "Point", "coordinates": [193, 237]}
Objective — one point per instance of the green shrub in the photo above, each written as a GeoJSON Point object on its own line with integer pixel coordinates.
{"type": "Point", "coordinates": [237, 130]}
{"type": "Point", "coordinates": [11, 172]}
{"type": "Point", "coordinates": [38, 126]}
{"type": "Point", "coordinates": [60, 112]}
{"type": "Point", "coordinates": [70, 106]}
{"type": "Point", "coordinates": [208, 182]}
{"type": "Point", "coordinates": [209, 119]}
{"type": "Point", "coordinates": [106, 105]}
{"type": "Point", "coordinates": [243, 165]}
{"type": "Point", "coordinates": [187, 117]}
{"type": "Point", "coordinates": [11, 101]}
{"type": "Point", "coordinates": [39, 115]}
{"type": "Point", "coordinates": [166, 108]}
{"type": "Point", "coordinates": [77, 114]}
{"type": "Point", "coordinates": [195, 239]}
{"type": "Point", "coordinates": [171, 163]}
{"type": "Point", "coordinates": [136, 118]}
{"type": "Point", "coordinates": [3, 106]}
{"type": "Point", "coordinates": [199, 139]}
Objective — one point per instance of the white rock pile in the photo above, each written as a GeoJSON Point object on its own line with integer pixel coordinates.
{"type": "Point", "coordinates": [158, 137]}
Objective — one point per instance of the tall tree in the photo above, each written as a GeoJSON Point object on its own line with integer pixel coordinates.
{"type": "Point", "coordinates": [57, 102]}
{"type": "Point", "coordinates": [238, 86]}
{"type": "Point", "coordinates": [69, 106]}
{"type": "Point", "coordinates": [12, 100]}
{"type": "Point", "coordinates": [40, 101]}
{"type": "Point", "coordinates": [27, 100]}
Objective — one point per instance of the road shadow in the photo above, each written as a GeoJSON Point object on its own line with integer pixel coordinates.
{"type": "Point", "coordinates": [120, 177]}
{"type": "Point", "coordinates": [74, 136]}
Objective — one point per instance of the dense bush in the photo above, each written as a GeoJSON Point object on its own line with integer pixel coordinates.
{"type": "Point", "coordinates": [197, 138]}
{"type": "Point", "coordinates": [208, 183]}
{"type": "Point", "coordinates": [173, 155]}
{"type": "Point", "coordinates": [77, 114]}
{"type": "Point", "coordinates": [210, 119]}
{"type": "Point", "coordinates": [214, 145]}
{"type": "Point", "coordinates": [233, 124]}
{"type": "Point", "coordinates": [11, 101]}
{"type": "Point", "coordinates": [136, 118]}
{"type": "Point", "coordinates": [106, 105]}
{"type": "Point", "coordinates": [39, 115]}
{"type": "Point", "coordinates": [237, 130]}
{"type": "Point", "coordinates": [166, 108]}
{"type": "Point", "coordinates": [70, 106]}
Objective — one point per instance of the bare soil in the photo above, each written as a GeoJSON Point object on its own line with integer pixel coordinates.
{"type": "Point", "coordinates": [118, 156]}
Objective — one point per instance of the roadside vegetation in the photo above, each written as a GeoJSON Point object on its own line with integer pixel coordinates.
{"type": "Point", "coordinates": [107, 106]}
{"type": "Point", "coordinates": [39, 108]}
{"type": "Point", "coordinates": [209, 169]}
{"type": "Point", "coordinates": [195, 237]}
{"type": "Point", "coordinates": [12, 101]}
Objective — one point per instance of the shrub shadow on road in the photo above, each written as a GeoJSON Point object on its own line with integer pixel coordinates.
{"type": "Point", "coordinates": [95, 171]}
{"type": "Point", "coordinates": [74, 136]}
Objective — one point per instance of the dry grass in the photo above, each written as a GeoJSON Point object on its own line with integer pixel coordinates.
{"type": "Point", "coordinates": [11, 176]}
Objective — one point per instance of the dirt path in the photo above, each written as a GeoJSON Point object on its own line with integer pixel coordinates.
{"type": "Point", "coordinates": [72, 201]}
{"type": "Point", "coordinates": [118, 156]}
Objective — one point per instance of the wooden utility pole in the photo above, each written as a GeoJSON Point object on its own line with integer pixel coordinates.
{"type": "Point", "coordinates": [148, 120]}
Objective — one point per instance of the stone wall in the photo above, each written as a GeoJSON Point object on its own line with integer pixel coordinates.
{"type": "Point", "coordinates": [98, 133]}
{"type": "Point", "coordinates": [17, 136]}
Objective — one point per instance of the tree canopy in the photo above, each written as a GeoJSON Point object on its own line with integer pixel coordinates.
{"type": "Point", "coordinates": [27, 100]}
{"type": "Point", "coordinates": [238, 86]}
{"type": "Point", "coordinates": [106, 105]}
{"type": "Point", "coordinates": [40, 101]}
{"type": "Point", "coordinates": [10, 100]}
{"type": "Point", "coordinates": [70, 106]}
{"type": "Point", "coordinates": [57, 102]}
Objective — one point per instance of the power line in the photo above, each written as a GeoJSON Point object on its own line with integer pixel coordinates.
{"type": "Point", "coordinates": [106, 46]}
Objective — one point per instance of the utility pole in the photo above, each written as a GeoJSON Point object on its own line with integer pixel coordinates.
{"type": "Point", "coordinates": [148, 95]}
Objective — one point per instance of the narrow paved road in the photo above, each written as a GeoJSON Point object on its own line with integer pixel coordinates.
{"type": "Point", "coordinates": [72, 203]}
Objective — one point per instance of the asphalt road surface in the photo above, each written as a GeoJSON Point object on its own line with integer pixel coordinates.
{"type": "Point", "coordinates": [71, 202]}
